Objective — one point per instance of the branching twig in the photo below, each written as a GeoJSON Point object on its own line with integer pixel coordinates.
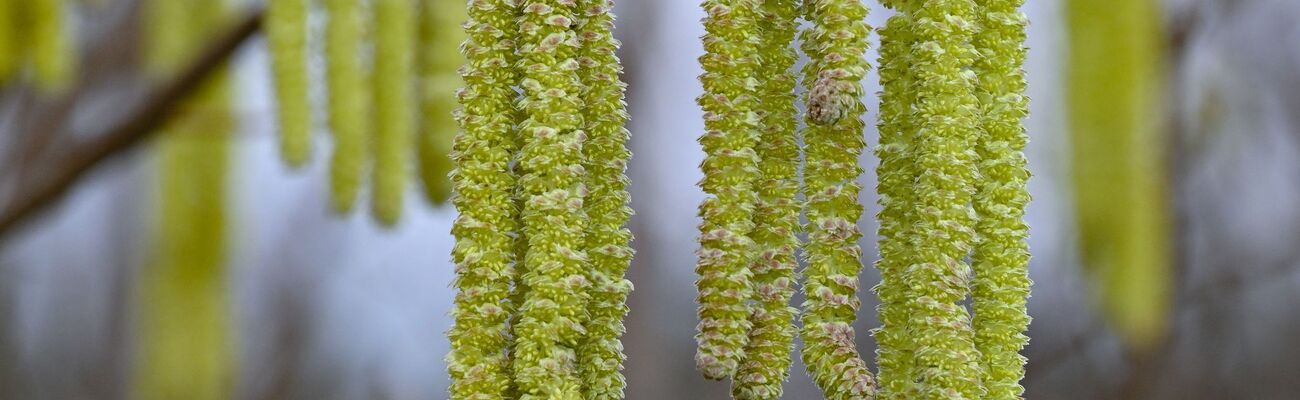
{"type": "Point", "coordinates": [140, 124]}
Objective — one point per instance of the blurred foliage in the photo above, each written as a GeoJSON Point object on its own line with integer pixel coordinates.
{"type": "Point", "coordinates": [1118, 162]}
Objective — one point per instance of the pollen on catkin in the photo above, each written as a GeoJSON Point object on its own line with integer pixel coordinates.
{"type": "Point", "coordinates": [946, 361]}
{"type": "Point", "coordinates": [1001, 255]}
{"type": "Point", "coordinates": [394, 102]}
{"type": "Point", "coordinates": [836, 44]}
{"type": "Point", "coordinates": [286, 30]}
{"type": "Point", "coordinates": [730, 170]}
{"type": "Point", "coordinates": [438, 58]}
{"type": "Point", "coordinates": [552, 179]}
{"type": "Point", "coordinates": [605, 156]}
{"type": "Point", "coordinates": [484, 251]}
{"type": "Point", "coordinates": [895, 174]}
{"type": "Point", "coordinates": [348, 103]}
{"type": "Point", "coordinates": [766, 365]}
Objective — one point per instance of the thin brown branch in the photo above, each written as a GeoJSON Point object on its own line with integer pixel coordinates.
{"type": "Point", "coordinates": [140, 124]}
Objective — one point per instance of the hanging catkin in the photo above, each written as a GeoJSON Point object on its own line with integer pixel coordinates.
{"type": "Point", "coordinates": [945, 357]}
{"type": "Point", "coordinates": [836, 44]}
{"type": "Point", "coordinates": [776, 215]}
{"type": "Point", "coordinates": [51, 44]}
{"type": "Point", "coordinates": [551, 176]}
{"type": "Point", "coordinates": [439, 38]}
{"type": "Point", "coordinates": [185, 345]}
{"type": "Point", "coordinates": [730, 170]}
{"type": "Point", "coordinates": [605, 157]}
{"type": "Point", "coordinates": [1001, 255]}
{"type": "Point", "coordinates": [895, 175]}
{"type": "Point", "coordinates": [11, 51]}
{"type": "Point", "coordinates": [394, 105]}
{"type": "Point", "coordinates": [286, 29]}
{"type": "Point", "coordinates": [484, 186]}
{"type": "Point", "coordinates": [348, 102]}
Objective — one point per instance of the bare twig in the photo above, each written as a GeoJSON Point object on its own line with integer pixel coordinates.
{"type": "Point", "coordinates": [140, 124]}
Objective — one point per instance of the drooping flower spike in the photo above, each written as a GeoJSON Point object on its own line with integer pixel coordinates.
{"type": "Point", "coordinates": [946, 361]}
{"type": "Point", "coordinates": [348, 101]}
{"type": "Point", "coordinates": [484, 187]}
{"type": "Point", "coordinates": [439, 38]}
{"type": "Point", "coordinates": [730, 171]}
{"type": "Point", "coordinates": [766, 364]}
{"type": "Point", "coordinates": [552, 179]}
{"type": "Point", "coordinates": [394, 71]}
{"type": "Point", "coordinates": [286, 29]}
{"type": "Point", "coordinates": [605, 158]}
{"type": "Point", "coordinates": [836, 44]}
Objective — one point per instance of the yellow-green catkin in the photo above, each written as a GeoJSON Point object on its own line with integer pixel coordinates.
{"type": "Point", "coordinates": [11, 50]}
{"type": "Point", "coordinates": [1121, 197]}
{"type": "Point", "coordinates": [608, 242]}
{"type": "Point", "coordinates": [552, 179]}
{"type": "Point", "coordinates": [766, 365]}
{"type": "Point", "coordinates": [438, 59]}
{"type": "Point", "coordinates": [730, 171]}
{"type": "Point", "coordinates": [484, 252]}
{"type": "Point", "coordinates": [185, 344]}
{"type": "Point", "coordinates": [1001, 255]}
{"type": "Point", "coordinates": [286, 30]}
{"type": "Point", "coordinates": [946, 361]}
{"type": "Point", "coordinates": [836, 43]}
{"type": "Point", "coordinates": [395, 105]}
{"type": "Point", "coordinates": [51, 47]}
{"type": "Point", "coordinates": [349, 104]}
{"type": "Point", "coordinates": [895, 174]}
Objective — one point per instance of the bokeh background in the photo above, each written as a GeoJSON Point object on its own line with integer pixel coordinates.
{"type": "Point", "coordinates": [337, 307]}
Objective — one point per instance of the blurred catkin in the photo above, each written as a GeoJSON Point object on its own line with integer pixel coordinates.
{"type": "Point", "coordinates": [349, 103]}
{"type": "Point", "coordinates": [438, 40]}
{"type": "Point", "coordinates": [51, 47]}
{"type": "Point", "coordinates": [895, 173]}
{"type": "Point", "coordinates": [730, 170]}
{"type": "Point", "coordinates": [552, 179]}
{"type": "Point", "coordinates": [608, 241]}
{"type": "Point", "coordinates": [943, 227]}
{"type": "Point", "coordinates": [185, 338]}
{"type": "Point", "coordinates": [1001, 254]}
{"type": "Point", "coordinates": [394, 77]}
{"type": "Point", "coordinates": [286, 29]}
{"type": "Point", "coordinates": [1118, 162]}
{"type": "Point", "coordinates": [766, 365]}
{"type": "Point", "coordinates": [11, 50]}
{"type": "Point", "coordinates": [836, 43]}
{"type": "Point", "coordinates": [484, 252]}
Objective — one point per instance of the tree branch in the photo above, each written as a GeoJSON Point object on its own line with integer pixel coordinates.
{"type": "Point", "coordinates": [139, 125]}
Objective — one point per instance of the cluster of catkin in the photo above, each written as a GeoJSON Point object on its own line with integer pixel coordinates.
{"type": "Point", "coordinates": [34, 33]}
{"type": "Point", "coordinates": [952, 188]}
{"type": "Point", "coordinates": [390, 78]}
{"type": "Point", "coordinates": [541, 245]}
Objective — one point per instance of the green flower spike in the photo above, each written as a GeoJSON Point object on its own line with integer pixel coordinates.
{"type": "Point", "coordinates": [946, 362]}
{"type": "Point", "coordinates": [348, 103]}
{"type": "Point", "coordinates": [394, 105]}
{"type": "Point", "coordinates": [51, 44]}
{"type": "Point", "coordinates": [286, 29]}
{"type": "Point", "coordinates": [836, 44]}
{"type": "Point", "coordinates": [439, 36]}
{"type": "Point", "coordinates": [1001, 256]}
{"type": "Point", "coordinates": [895, 172]}
{"type": "Point", "coordinates": [484, 187]}
{"type": "Point", "coordinates": [776, 219]}
{"type": "Point", "coordinates": [605, 157]}
{"type": "Point", "coordinates": [730, 170]}
{"type": "Point", "coordinates": [552, 178]}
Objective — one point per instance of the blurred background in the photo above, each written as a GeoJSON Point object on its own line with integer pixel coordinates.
{"type": "Point", "coordinates": [1165, 148]}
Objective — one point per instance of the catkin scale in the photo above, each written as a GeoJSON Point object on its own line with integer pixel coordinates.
{"type": "Point", "coordinates": [438, 59]}
{"type": "Point", "coordinates": [484, 251]}
{"type": "Point", "coordinates": [348, 102]}
{"type": "Point", "coordinates": [394, 102]}
{"type": "Point", "coordinates": [605, 157]}
{"type": "Point", "coordinates": [836, 43]}
{"type": "Point", "coordinates": [286, 29]}
{"type": "Point", "coordinates": [776, 219]}
{"type": "Point", "coordinates": [730, 170]}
